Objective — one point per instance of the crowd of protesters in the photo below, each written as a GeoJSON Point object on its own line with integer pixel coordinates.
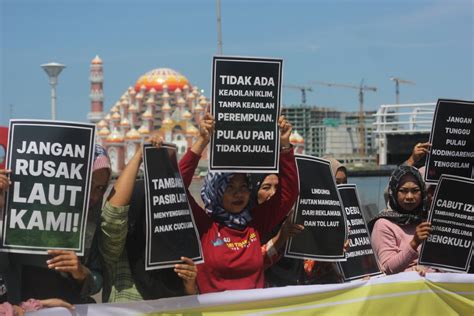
{"type": "Point", "coordinates": [243, 227]}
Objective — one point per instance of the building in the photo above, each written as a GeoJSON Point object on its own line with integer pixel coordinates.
{"type": "Point", "coordinates": [328, 132]}
{"type": "Point", "coordinates": [162, 101]}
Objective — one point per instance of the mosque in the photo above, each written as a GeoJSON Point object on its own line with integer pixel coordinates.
{"type": "Point", "coordinates": [162, 101]}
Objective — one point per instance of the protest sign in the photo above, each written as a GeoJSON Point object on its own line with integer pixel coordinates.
{"type": "Point", "coordinates": [246, 96]}
{"type": "Point", "coordinates": [319, 209]}
{"type": "Point", "coordinates": [361, 261]}
{"type": "Point", "coordinates": [449, 245]}
{"type": "Point", "coordinates": [171, 232]}
{"type": "Point", "coordinates": [47, 203]}
{"type": "Point", "coordinates": [452, 140]}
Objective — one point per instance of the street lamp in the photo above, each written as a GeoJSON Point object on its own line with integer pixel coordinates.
{"type": "Point", "coordinates": [53, 70]}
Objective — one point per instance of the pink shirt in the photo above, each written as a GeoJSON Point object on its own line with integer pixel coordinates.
{"type": "Point", "coordinates": [391, 244]}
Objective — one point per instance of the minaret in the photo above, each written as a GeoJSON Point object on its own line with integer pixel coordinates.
{"type": "Point", "coordinates": [97, 95]}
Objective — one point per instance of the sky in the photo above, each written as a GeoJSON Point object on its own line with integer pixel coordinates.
{"type": "Point", "coordinates": [429, 42]}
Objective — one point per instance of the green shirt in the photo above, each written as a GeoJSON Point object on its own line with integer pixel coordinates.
{"type": "Point", "coordinates": [119, 285]}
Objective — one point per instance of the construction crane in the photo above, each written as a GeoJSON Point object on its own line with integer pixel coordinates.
{"type": "Point", "coordinates": [361, 88]}
{"type": "Point", "coordinates": [397, 86]}
{"type": "Point", "coordinates": [303, 90]}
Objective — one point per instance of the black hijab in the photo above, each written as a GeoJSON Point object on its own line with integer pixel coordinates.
{"type": "Point", "coordinates": [151, 284]}
{"type": "Point", "coordinates": [394, 212]}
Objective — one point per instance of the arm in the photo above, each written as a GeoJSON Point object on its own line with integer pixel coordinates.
{"type": "Point", "coordinates": [188, 165]}
{"type": "Point", "coordinates": [270, 213]}
{"type": "Point", "coordinates": [114, 216]}
{"type": "Point", "coordinates": [393, 258]}
{"type": "Point", "coordinates": [4, 184]}
{"type": "Point", "coordinates": [272, 250]}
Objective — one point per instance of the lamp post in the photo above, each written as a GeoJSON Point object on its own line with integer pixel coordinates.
{"type": "Point", "coordinates": [53, 70]}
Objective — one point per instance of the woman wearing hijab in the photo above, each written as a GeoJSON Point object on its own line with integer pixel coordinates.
{"type": "Point", "coordinates": [230, 226]}
{"type": "Point", "coordinates": [62, 278]}
{"type": "Point", "coordinates": [399, 230]}
{"type": "Point", "coordinates": [122, 244]}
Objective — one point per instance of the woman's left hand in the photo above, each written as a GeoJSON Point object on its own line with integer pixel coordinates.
{"type": "Point", "coordinates": [67, 261]}
{"type": "Point", "coordinates": [187, 271]}
{"type": "Point", "coordinates": [285, 131]}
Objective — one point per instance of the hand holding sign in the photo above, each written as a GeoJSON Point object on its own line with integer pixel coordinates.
{"type": "Point", "coordinates": [4, 184]}
{"type": "Point", "coordinates": [206, 129]}
{"type": "Point", "coordinates": [422, 232]}
{"type": "Point", "coordinates": [285, 131]}
{"type": "Point", "coordinates": [67, 261]}
{"type": "Point", "coordinates": [418, 152]}
{"type": "Point", "coordinates": [188, 272]}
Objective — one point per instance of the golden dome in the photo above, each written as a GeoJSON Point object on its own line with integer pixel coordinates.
{"type": "Point", "coordinates": [133, 134]}
{"type": "Point", "coordinates": [159, 77]}
{"type": "Point", "coordinates": [187, 115]}
{"type": "Point", "coordinates": [115, 137]}
{"type": "Point", "coordinates": [144, 130]}
{"type": "Point", "coordinates": [125, 122]}
{"type": "Point", "coordinates": [167, 122]}
{"type": "Point", "coordinates": [296, 138]}
{"type": "Point", "coordinates": [192, 130]}
{"type": "Point", "coordinates": [116, 116]}
{"type": "Point", "coordinates": [101, 124]}
{"type": "Point", "coordinates": [147, 115]}
{"type": "Point", "coordinates": [104, 131]}
{"type": "Point", "coordinates": [97, 60]}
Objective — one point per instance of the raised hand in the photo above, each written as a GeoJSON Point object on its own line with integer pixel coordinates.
{"type": "Point", "coordinates": [285, 131]}
{"type": "Point", "coordinates": [418, 152]}
{"type": "Point", "coordinates": [206, 127]}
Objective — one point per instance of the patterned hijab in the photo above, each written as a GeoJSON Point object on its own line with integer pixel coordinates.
{"type": "Point", "coordinates": [394, 212]}
{"type": "Point", "coordinates": [212, 192]}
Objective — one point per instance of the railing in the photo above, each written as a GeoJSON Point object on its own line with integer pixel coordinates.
{"type": "Point", "coordinates": [401, 119]}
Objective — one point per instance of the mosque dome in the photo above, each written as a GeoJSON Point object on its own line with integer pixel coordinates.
{"type": "Point", "coordinates": [156, 78]}
{"type": "Point", "coordinates": [133, 134]}
{"type": "Point", "coordinates": [97, 60]}
{"type": "Point", "coordinates": [192, 131]}
{"type": "Point", "coordinates": [115, 137]}
{"type": "Point", "coordinates": [104, 131]}
{"type": "Point", "coordinates": [296, 138]}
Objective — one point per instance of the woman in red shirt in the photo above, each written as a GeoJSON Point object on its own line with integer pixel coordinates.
{"type": "Point", "coordinates": [229, 226]}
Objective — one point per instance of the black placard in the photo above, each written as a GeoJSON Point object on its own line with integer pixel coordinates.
{"type": "Point", "coordinates": [452, 140]}
{"type": "Point", "coordinates": [319, 209]}
{"type": "Point", "coordinates": [246, 94]}
{"type": "Point", "coordinates": [48, 200]}
{"type": "Point", "coordinates": [449, 245]}
{"type": "Point", "coordinates": [171, 232]}
{"type": "Point", "coordinates": [361, 261]}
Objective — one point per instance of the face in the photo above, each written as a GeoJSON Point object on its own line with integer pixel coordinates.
{"type": "Point", "coordinates": [100, 180]}
{"type": "Point", "coordinates": [236, 195]}
{"type": "Point", "coordinates": [409, 193]}
{"type": "Point", "coordinates": [267, 188]}
{"type": "Point", "coordinates": [341, 177]}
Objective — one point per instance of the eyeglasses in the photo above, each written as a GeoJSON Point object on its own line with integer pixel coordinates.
{"type": "Point", "coordinates": [413, 191]}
